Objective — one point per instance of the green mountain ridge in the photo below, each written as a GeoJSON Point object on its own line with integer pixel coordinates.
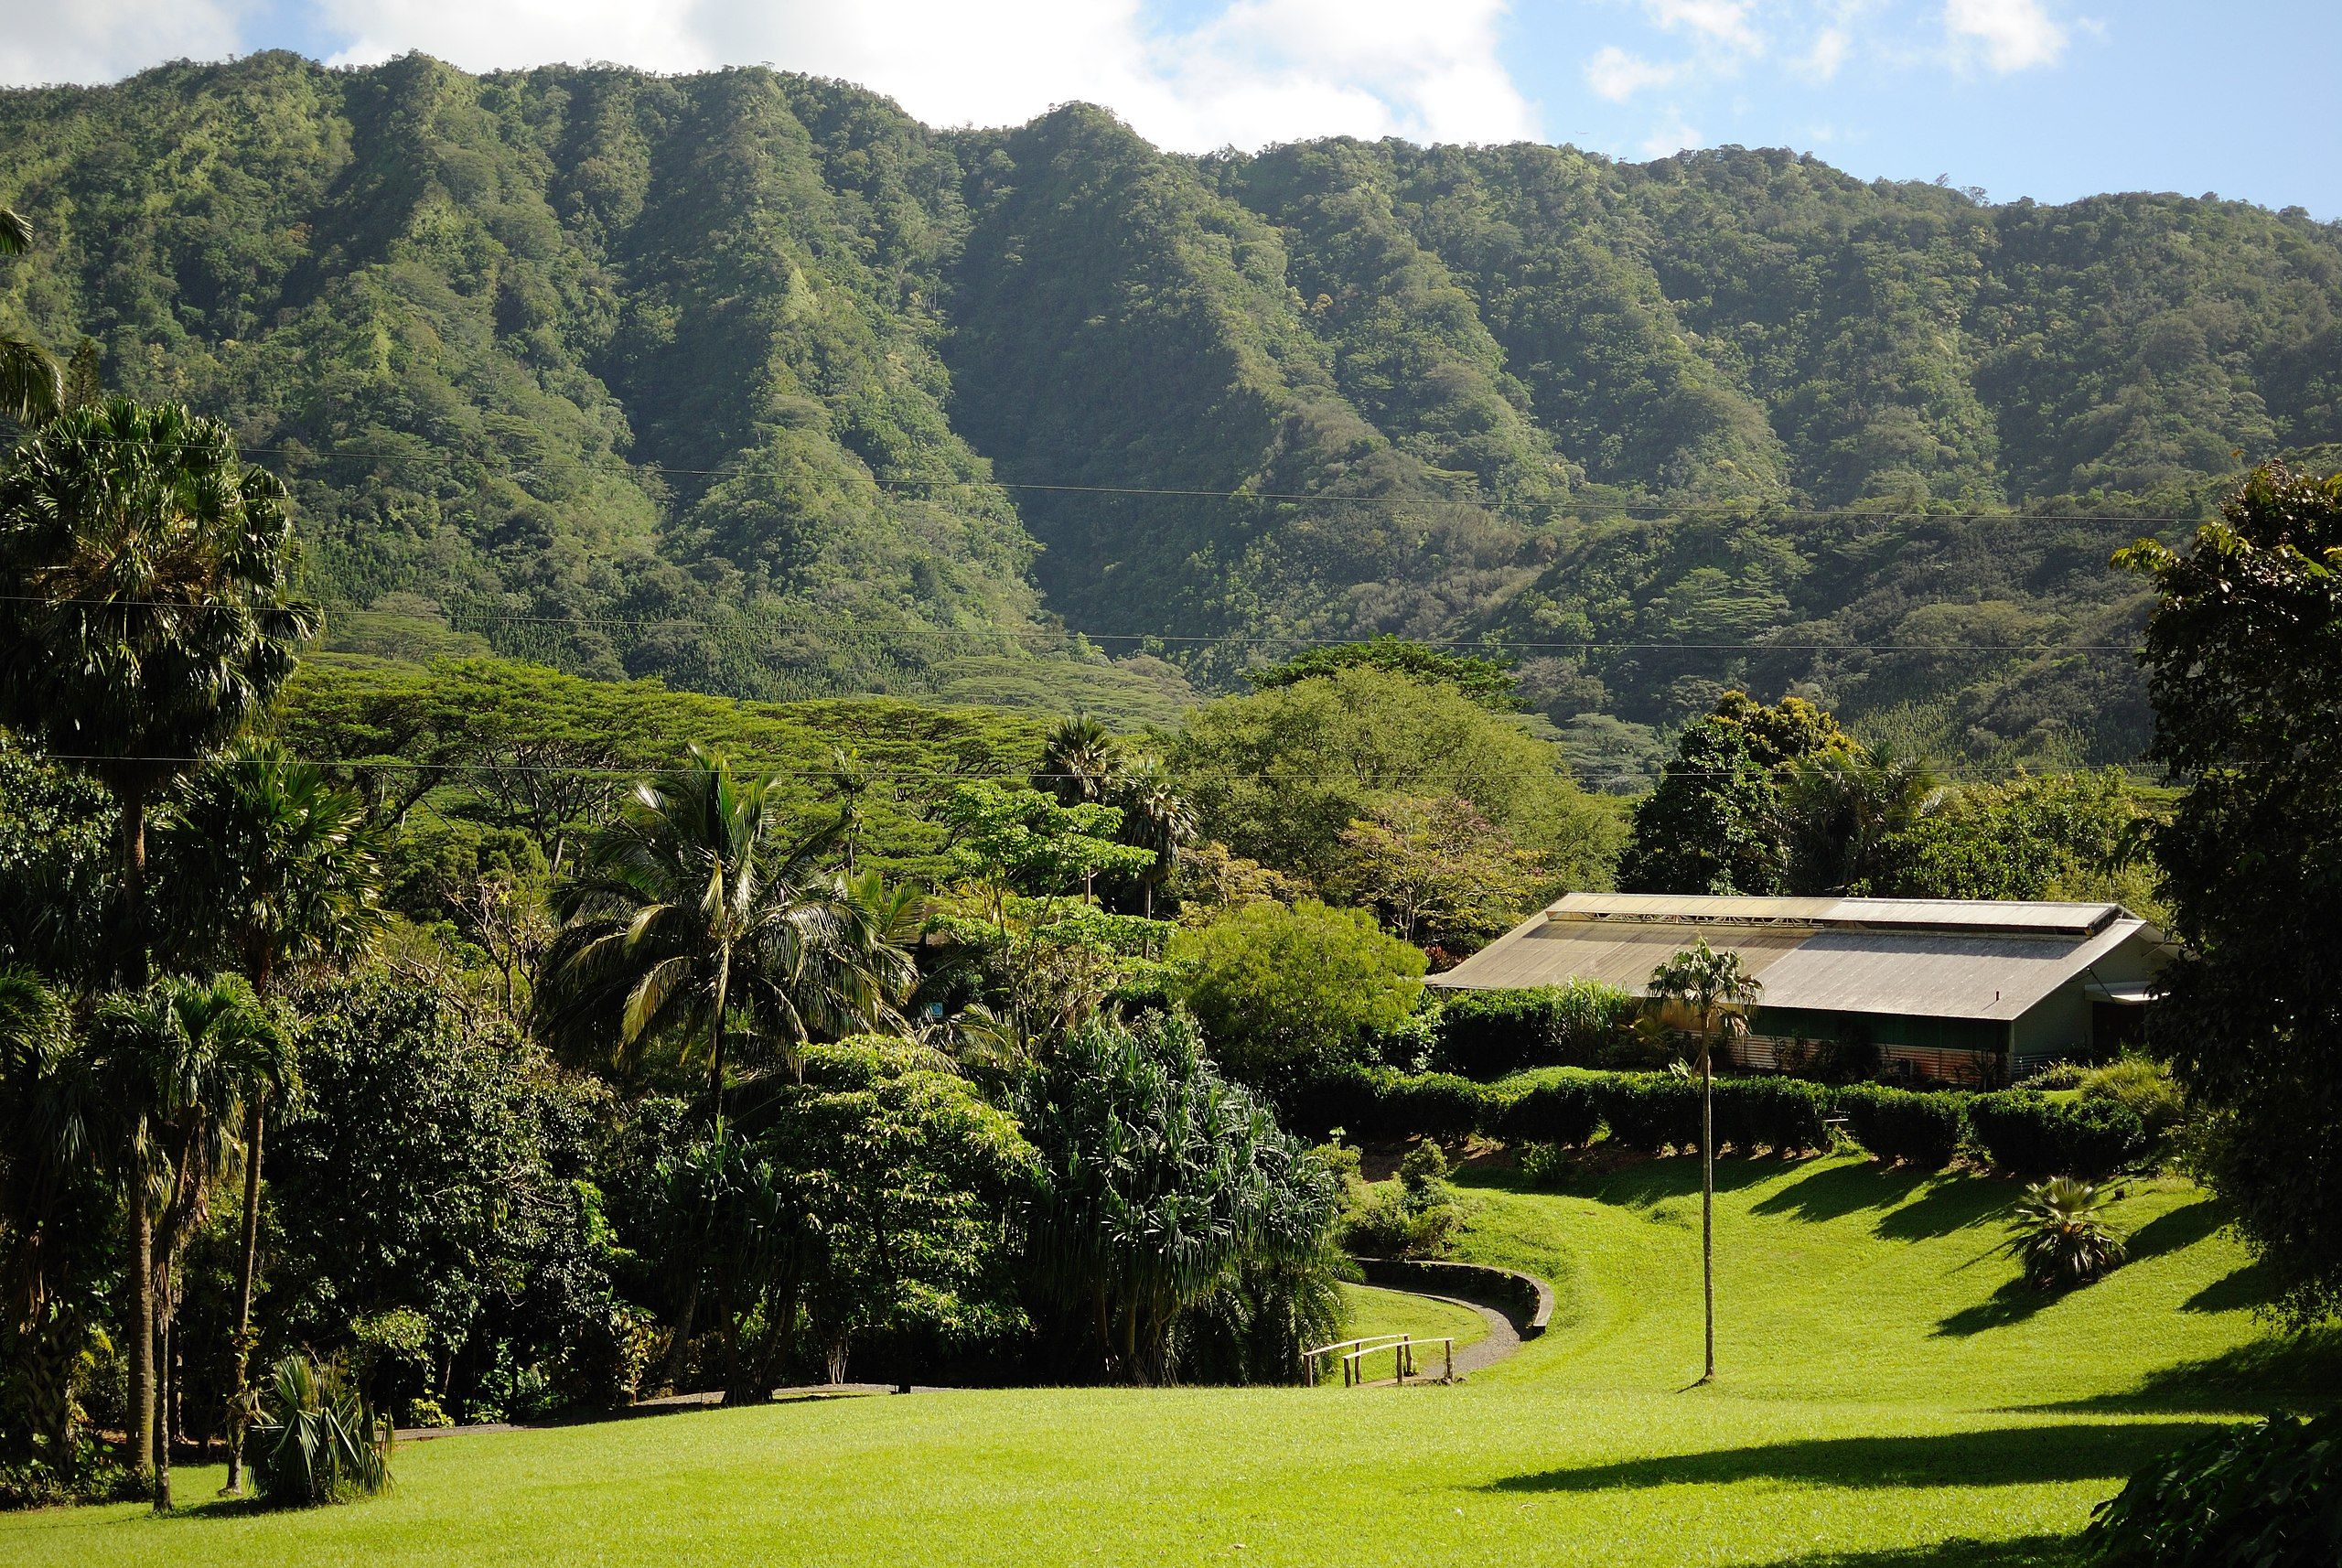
{"type": "Point", "coordinates": [750, 382]}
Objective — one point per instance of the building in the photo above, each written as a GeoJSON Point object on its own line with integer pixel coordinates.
{"type": "Point", "coordinates": [1950, 990]}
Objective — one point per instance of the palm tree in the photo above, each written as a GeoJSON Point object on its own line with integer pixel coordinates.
{"type": "Point", "coordinates": [1714, 991]}
{"type": "Point", "coordinates": [1844, 809]}
{"type": "Point", "coordinates": [30, 387]}
{"type": "Point", "coordinates": [849, 780]}
{"type": "Point", "coordinates": [180, 1060]}
{"type": "Point", "coordinates": [152, 619]}
{"type": "Point", "coordinates": [688, 911]}
{"type": "Point", "coordinates": [1078, 762]}
{"type": "Point", "coordinates": [267, 864]}
{"type": "Point", "coordinates": [1154, 817]}
{"type": "Point", "coordinates": [49, 1124]}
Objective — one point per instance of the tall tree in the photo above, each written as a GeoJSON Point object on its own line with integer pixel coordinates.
{"type": "Point", "coordinates": [1846, 811]}
{"type": "Point", "coordinates": [1712, 992]}
{"type": "Point", "coordinates": [688, 911]}
{"type": "Point", "coordinates": [151, 617]}
{"type": "Point", "coordinates": [1717, 822]}
{"type": "Point", "coordinates": [51, 1125]}
{"type": "Point", "coordinates": [181, 1060]}
{"type": "Point", "coordinates": [30, 387]}
{"type": "Point", "coordinates": [266, 865]}
{"type": "Point", "coordinates": [1079, 761]}
{"type": "Point", "coordinates": [1155, 818]}
{"type": "Point", "coordinates": [2244, 662]}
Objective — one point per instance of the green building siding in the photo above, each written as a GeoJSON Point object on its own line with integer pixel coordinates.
{"type": "Point", "coordinates": [1881, 1029]}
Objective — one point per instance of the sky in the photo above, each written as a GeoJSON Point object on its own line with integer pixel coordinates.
{"type": "Point", "coordinates": [2046, 99]}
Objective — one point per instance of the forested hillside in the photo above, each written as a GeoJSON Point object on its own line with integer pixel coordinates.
{"type": "Point", "coordinates": [752, 383]}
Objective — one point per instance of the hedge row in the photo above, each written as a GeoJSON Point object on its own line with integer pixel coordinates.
{"type": "Point", "coordinates": [2021, 1132]}
{"type": "Point", "coordinates": [1489, 1034]}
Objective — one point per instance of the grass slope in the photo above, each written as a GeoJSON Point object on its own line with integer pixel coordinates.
{"type": "Point", "coordinates": [1883, 1401]}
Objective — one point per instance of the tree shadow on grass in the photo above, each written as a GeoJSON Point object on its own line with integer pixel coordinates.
{"type": "Point", "coordinates": [1952, 1203]}
{"type": "Point", "coordinates": [1999, 1456]}
{"type": "Point", "coordinates": [2291, 1372]}
{"type": "Point", "coordinates": [2173, 1228]}
{"type": "Point", "coordinates": [2013, 1303]}
{"type": "Point", "coordinates": [1654, 1181]}
{"type": "Point", "coordinates": [2022, 1551]}
{"type": "Point", "coordinates": [2255, 1284]}
{"type": "Point", "coordinates": [1836, 1191]}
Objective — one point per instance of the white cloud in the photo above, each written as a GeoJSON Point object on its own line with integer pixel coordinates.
{"type": "Point", "coordinates": [1721, 22]}
{"type": "Point", "coordinates": [1616, 75]}
{"type": "Point", "coordinates": [1248, 72]}
{"type": "Point", "coordinates": [1821, 62]}
{"type": "Point", "coordinates": [103, 40]}
{"type": "Point", "coordinates": [2012, 35]}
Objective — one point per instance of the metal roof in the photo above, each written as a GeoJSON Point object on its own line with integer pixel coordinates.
{"type": "Point", "coordinates": [1932, 957]}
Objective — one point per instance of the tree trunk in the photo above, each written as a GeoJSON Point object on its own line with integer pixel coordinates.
{"type": "Point", "coordinates": [142, 1322]}
{"type": "Point", "coordinates": [247, 1268]}
{"type": "Point", "coordinates": [131, 959]}
{"type": "Point", "coordinates": [164, 1433]}
{"type": "Point", "coordinates": [680, 1344]}
{"type": "Point", "coordinates": [1708, 1202]}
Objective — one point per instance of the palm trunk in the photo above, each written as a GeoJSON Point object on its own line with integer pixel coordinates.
{"type": "Point", "coordinates": [142, 1322]}
{"type": "Point", "coordinates": [133, 958]}
{"type": "Point", "coordinates": [164, 1432]}
{"type": "Point", "coordinates": [247, 1265]}
{"type": "Point", "coordinates": [715, 1035]}
{"type": "Point", "coordinates": [1708, 1203]}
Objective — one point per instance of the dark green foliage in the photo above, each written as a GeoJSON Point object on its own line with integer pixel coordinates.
{"type": "Point", "coordinates": [2268, 1495]}
{"type": "Point", "coordinates": [58, 858]}
{"type": "Point", "coordinates": [1381, 1103]}
{"type": "Point", "coordinates": [1488, 1034]}
{"type": "Point", "coordinates": [1718, 823]}
{"type": "Point", "coordinates": [1650, 1113]}
{"type": "Point", "coordinates": [2060, 1233]}
{"type": "Point", "coordinates": [1415, 1218]}
{"type": "Point", "coordinates": [2026, 1133]}
{"type": "Point", "coordinates": [1923, 1129]}
{"type": "Point", "coordinates": [1142, 1142]}
{"type": "Point", "coordinates": [1566, 1112]}
{"type": "Point", "coordinates": [436, 1163]}
{"type": "Point", "coordinates": [1786, 1116]}
{"type": "Point", "coordinates": [316, 1441]}
{"type": "Point", "coordinates": [2244, 654]}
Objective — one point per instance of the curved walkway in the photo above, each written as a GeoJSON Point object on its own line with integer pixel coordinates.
{"type": "Point", "coordinates": [1515, 1306]}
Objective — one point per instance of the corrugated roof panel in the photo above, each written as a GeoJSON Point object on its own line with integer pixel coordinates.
{"type": "Point", "coordinates": [1985, 973]}
{"type": "Point", "coordinates": [2070, 920]}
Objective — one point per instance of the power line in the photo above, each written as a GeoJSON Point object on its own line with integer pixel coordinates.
{"type": "Point", "coordinates": [915, 634]}
{"type": "Point", "coordinates": [1583, 509]}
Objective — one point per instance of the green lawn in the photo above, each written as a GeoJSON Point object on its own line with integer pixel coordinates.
{"type": "Point", "coordinates": [1885, 1399]}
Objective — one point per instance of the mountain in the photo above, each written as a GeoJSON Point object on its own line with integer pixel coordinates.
{"type": "Point", "coordinates": [752, 383]}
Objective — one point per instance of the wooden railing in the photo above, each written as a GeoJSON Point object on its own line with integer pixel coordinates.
{"type": "Point", "coordinates": [1353, 1354]}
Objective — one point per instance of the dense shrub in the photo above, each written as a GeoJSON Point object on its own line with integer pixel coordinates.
{"type": "Point", "coordinates": [1562, 1112]}
{"type": "Point", "coordinates": [1546, 1166]}
{"type": "Point", "coordinates": [1488, 1034]}
{"type": "Point", "coordinates": [1920, 1128]}
{"type": "Point", "coordinates": [1286, 992]}
{"type": "Point", "coordinates": [1786, 1116]}
{"type": "Point", "coordinates": [2139, 1084]}
{"type": "Point", "coordinates": [316, 1441]}
{"type": "Point", "coordinates": [2268, 1495]}
{"type": "Point", "coordinates": [2060, 1232]}
{"type": "Point", "coordinates": [2028, 1135]}
{"type": "Point", "coordinates": [1650, 1112]}
{"type": "Point", "coordinates": [1382, 1103]}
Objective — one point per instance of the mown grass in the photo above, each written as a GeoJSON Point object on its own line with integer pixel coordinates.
{"type": "Point", "coordinates": [1883, 1401]}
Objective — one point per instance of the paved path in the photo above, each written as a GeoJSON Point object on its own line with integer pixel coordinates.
{"type": "Point", "coordinates": [1503, 1339]}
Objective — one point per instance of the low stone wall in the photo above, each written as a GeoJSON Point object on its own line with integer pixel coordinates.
{"type": "Point", "coordinates": [1526, 1300]}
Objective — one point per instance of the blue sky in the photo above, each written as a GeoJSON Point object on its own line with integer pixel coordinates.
{"type": "Point", "coordinates": [2051, 98]}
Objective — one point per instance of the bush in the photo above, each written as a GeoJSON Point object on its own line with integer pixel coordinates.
{"type": "Point", "coordinates": [2027, 1135]}
{"type": "Point", "coordinates": [2060, 1232]}
{"type": "Point", "coordinates": [1284, 992]}
{"type": "Point", "coordinates": [1650, 1112]}
{"type": "Point", "coordinates": [1920, 1128]}
{"type": "Point", "coordinates": [1546, 1166]}
{"type": "Point", "coordinates": [1383, 1103]}
{"type": "Point", "coordinates": [2268, 1495]}
{"type": "Point", "coordinates": [2139, 1085]}
{"type": "Point", "coordinates": [1787, 1115]}
{"type": "Point", "coordinates": [1415, 1217]}
{"type": "Point", "coordinates": [316, 1441]}
{"type": "Point", "coordinates": [1489, 1034]}
{"type": "Point", "coordinates": [1562, 1112]}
